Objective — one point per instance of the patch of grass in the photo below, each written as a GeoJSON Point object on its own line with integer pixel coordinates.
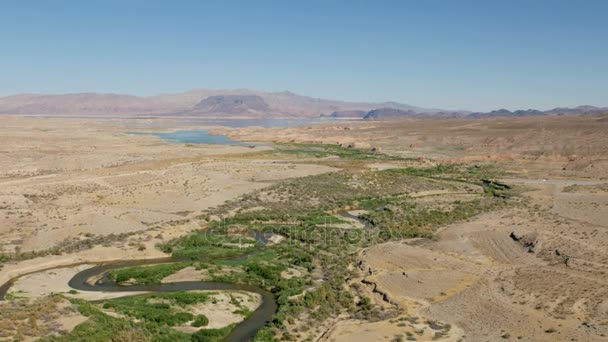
{"type": "Point", "coordinates": [146, 274]}
{"type": "Point", "coordinates": [203, 246]}
{"type": "Point", "coordinates": [243, 312]}
{"type": "Point", "coordinates": [404, 218]}
{"type": "Point", "coordinates": [327, 150]}
{"type": "Point", "coordinates": [14, 295]}
{"type": "Point", "coordinates": [452, 172]}
{"type": "Point", "coordinates": [212, 335]}
{"type": "Point", "coordinates": [200, 321]}
{"type": "Point", "coordinates": [101, 328]}
{"type": "Point", "coordinates": [161, 309]}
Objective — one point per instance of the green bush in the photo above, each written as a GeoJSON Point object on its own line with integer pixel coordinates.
{"type": "Point", "coordinates": [200, 321]}
{"type": "Point", "coordinates": [212, 335]}
{"type": "Point", "coordinates": [146, 274]}
{"type": "Point", "coordinates": [158, 308]}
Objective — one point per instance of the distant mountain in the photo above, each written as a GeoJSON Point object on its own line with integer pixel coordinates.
{"type": "Point", "coordinates": [533, 112]}
{"type": "Point", "coordinates": [198, 102]}
{"type": "Point", "coordinates": [388, 113]}
{"type": "Point", "coordinates": [82, 104]}
{"type": "Point", "coordinates": [241, 103]}
{"type": "Point", "coordinates": [358, 114]}
{"type": "Point", "coordinates": [393, 113]}
{"type": "Point", "coordinates": [232, 104]}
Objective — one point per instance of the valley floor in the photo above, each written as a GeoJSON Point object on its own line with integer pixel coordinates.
{"type": "Point", "coordinates": [80, 192]}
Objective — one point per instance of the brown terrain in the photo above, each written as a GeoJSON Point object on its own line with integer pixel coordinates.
{"type": "Point", "coordinates": [563, 146]}
{"type": "Point", "coordinates": [537, 272]}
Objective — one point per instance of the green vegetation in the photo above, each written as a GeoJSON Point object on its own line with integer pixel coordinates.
{"type": "Point", "coordinates": [101, 328]}
{"type": "Point", "coordinates": [326, 150]}
{"type": "Point", "coordinates": [156, 315]}
{"type": "Point", "coordinates": [209, 247]}
{"type": "Point", "coordinates": [3, 259]}
{"type": "Point", "coordinates": [212, 335]}
{"type": "Point", "coordinates": [163, 309]}
{"type": "Point", "coordinates": [200, 321]}
{"type": "Point", "coordinates": [299, 208]}
{"type": "Point", "coordinates": [146, 274]}
{"type": "Point", "coordinates": [452, 172]}
{"type": "Point", "coordinates": [302, 210]}
{"type": "Point", "coordinates": [14, 295]}
{"type": "Point", "coordinates": [402, 217]}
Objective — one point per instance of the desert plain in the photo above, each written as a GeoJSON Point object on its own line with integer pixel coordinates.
{"type": "Point", "coordinates": [531, 265]}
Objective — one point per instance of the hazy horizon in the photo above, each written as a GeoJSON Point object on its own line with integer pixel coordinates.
{"type": "Point", "coordinates": [472, 55]}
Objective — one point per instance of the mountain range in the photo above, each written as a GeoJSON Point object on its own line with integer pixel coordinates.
{"type": "Point", "coordinates": [241, 103]}
{"type": "Point", "coordinates": [226, 103]}
{"type": "Point", "coordinates": [533, 112]}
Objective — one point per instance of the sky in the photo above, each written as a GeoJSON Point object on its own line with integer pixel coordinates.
{"type": "Point", "coordinates": [473, 55]}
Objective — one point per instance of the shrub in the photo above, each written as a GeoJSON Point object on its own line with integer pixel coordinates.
{"type": "Point", "coordinates": [200, 321]}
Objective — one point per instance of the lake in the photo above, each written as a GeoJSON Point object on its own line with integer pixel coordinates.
{"type": "Point", "coordinates": [196, 136]}
{"type": "Point", "coordinates": [202, 136]}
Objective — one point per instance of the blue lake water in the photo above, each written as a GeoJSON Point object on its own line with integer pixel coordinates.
{"type": "Point", "coordinates": [196, 136]}
{"type": "Point", "coordinates": [168, 122]}
{"type": "Point", "coordinates": [201, 136]}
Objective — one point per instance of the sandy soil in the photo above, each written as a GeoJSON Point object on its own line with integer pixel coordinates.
{"type": "Point", "coordinates": [568, 146]}
{"type": "Point", "coordinates": [65, 182]}
{"type": "Point", "coordinates": [185, 274]}
{"type": "Point", "coordinates": [221, 313]}
{"type": "Point", "coordinates": [95, 254]}
{"type": "Point", "coordinates": [28, 320]}
{"type": "Point", "coordinates": [487, 286]}
{"type": "Point", "coordinates": [474, 276]}
{"type": "Point", "coordinates": [42, 284]}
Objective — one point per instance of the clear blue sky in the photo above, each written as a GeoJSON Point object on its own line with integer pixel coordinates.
{"type": "Point", "coordinates": [475, 55]}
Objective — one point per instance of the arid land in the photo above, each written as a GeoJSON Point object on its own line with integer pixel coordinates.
{"type": "Point", "coordinates": [83, 191]}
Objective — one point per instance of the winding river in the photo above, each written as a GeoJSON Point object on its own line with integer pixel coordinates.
{"type": "Point", "coordinates": [244, 331]}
